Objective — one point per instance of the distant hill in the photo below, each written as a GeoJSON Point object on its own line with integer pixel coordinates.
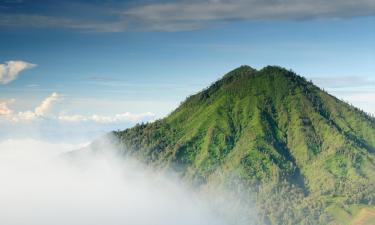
{"type": "Point", "coordinates": [302, 155]}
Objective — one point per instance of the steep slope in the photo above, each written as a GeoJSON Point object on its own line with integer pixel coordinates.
{"type": "Point", "coordinates": [291, 147]}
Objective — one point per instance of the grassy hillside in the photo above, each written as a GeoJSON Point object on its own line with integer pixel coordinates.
{"type": "Point", "coordinates": [353, 215]}
{"type": "Point", "coordinates": [297, 151]}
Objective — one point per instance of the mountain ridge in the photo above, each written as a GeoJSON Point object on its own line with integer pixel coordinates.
{"type": "Point", "coordinates": [295, 148]}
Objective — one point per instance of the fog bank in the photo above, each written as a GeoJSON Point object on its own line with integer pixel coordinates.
{"type": "Point", "coordinates": [39, 187]}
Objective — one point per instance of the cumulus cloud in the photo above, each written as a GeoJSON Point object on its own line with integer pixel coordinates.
{"type": "Point", "coordinates": [10, 70]}
{"type": "Point", "coordinates": [127, 116]}
{"type": "Point", "coordinates": [45, 111]}
{"type": "Point", "coordinates": [4, 108]}
{"type": "Point", "coordinates": [188, 14]}
{"type": "Point", "coordinates": [46, 105]}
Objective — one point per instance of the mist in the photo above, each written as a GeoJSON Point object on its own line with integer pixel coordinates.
{"type": "Point", "coordinates": [40, 186]}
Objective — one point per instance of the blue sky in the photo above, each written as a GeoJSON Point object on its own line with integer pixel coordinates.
{"type": "Point", "coordinates": [107, 58]}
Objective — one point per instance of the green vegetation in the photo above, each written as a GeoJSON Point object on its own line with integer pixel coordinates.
{"type": "Point", "coordinates": [301, 154]}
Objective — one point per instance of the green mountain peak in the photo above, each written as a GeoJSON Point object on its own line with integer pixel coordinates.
{"type": "Point", "coordinates": [300, 153]}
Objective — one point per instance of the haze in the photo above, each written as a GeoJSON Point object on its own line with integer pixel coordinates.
{"type": "Point", "coordinates": [41, 186]}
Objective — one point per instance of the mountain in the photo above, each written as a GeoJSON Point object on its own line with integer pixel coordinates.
{"type": "Point", "coordinates": [302, 155]}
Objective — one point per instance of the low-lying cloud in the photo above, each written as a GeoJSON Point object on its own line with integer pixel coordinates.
{"type": "Point", "coordinates": [39, 187]}
{"type": "Point", "coordinates": [44, 111]}
{"type": "Point", "coordinates": [50, 120]}
{"type": "Point", "coordinates": [127, 116]}
{"type": "Point", "coordinates": [340, 82]}
{"type": "Point", "coordinates": [356, 90]}
{"type": "Point", "coordinates": [41, 111]}
{"type": "Point", "coordinates": [10, 70]}
{"type": "Point", "coordinates": [4, 109]}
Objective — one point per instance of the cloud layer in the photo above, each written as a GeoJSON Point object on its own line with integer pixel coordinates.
{"type": "Point", "coordinates": [357, 90]}
{"type": "Point", "coordinates": [196, 14]}
{"type": "Point", "coordinates": [39, 187]}
{"type": "Point", "coordinates": [44, 111]}
{"type": "Point", "coordinates": [44, 108]}
{"type": "Point", "coordinates": [44, 21]}
{"type": "Point", "coordinates": [178, 15]}
{"type": "Point", "coordinates": [10, 70]}
{"type": "Point", "coordinates": [41, 111]}
{"type": "Point", "coordinates": [127, 116]}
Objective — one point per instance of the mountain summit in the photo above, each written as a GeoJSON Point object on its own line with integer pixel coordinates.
{"type": "Point", "coordinates": [304, 156]}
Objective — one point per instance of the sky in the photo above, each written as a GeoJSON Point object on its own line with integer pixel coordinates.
{"type": "Point", "coordinates": [106, 64]}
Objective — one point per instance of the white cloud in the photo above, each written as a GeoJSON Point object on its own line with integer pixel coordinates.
{"type": "Point", "coordinates": [44, 110]}
{"type": "Point", "coordinates": [27, 115]}
{"type": "Point", "coordinates": [362, 97]}
{"type": "Point", "coordinates": [39, 187]}
{"type": "Point", "coordinates": [41, 111]}
{"type": "Point", "coordinates": [4, 109]}
{"type": "Point", "coordinates": [342, 82]}
{"type": "Point", "coordinates": [363, 100]}
{"type": "Point", "coordinates": [358, 96]}
{"type": "Point", "coordinates": [356, 90]}
{"type": "Point", "coordinates": [46, 105]}
{"type": "Point", "coordinates": [127, 116]}
{"type": "Point", "coordinates": [9, 70]}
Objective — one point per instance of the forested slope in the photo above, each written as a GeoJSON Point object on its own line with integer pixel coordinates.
{"type": "Point", "coordinates": [301, 154]}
